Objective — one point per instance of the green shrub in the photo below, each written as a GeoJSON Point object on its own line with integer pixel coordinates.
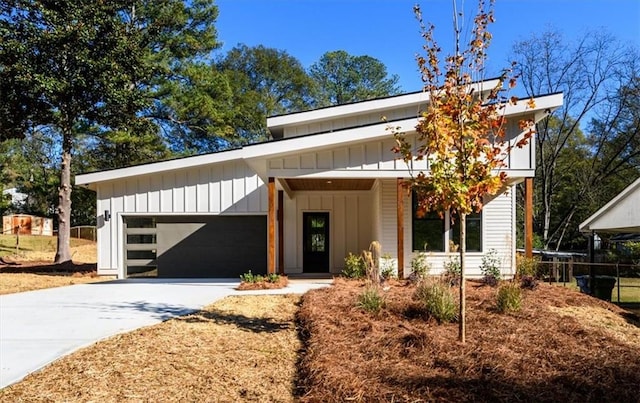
{"type": "Point", "coordinates": [370, 300]}
{"type": "Point", "coordinates": [526, 266]}
{"type": "Point", "coordinates": [490, 267]}
{"type": "Point", "coordinates": [419, 267]}
{"type": "Point", "coordinates": [438, 300]}
{"type": "Point", "coordinates": [249, 277]}
{"type": "Point", "coordinates": [272, 277]}
{"type": "Point", "coordinates": [354, 266]}
{"type": "Point", "coordinates": [387, 267]}
{"type": "Point", "coordinates": [509, 298]}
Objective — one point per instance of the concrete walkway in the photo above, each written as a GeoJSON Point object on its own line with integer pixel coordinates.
{"type": "Point", "coordinates": [38, 327]}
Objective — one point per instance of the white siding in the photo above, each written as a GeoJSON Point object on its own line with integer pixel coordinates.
{"type": "Point", "coordinates": [372, 159]}
{"type": "Point", "coordinates": [497, 232]}
{"type": "Point", "coordinates": [351, 121]}
{"type": "Point", "coordinates": [228, 188]}
{"type": "Point", "coordinates": [350, 225]}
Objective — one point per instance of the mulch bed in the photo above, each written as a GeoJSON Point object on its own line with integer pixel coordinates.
{"type": "Point", "coordinates": [264, 285]}
{"type": "Point", "coordinates": [537, 354]}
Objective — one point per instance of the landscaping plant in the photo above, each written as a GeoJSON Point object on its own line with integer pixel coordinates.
{"type": "Point", "coordinates": [461, 130]}
{"type": "Point", "coordinates": [490, 267]}
{"type": "Point", "coordinates": [438, 300]}
{"type": "Point", "coordinates": [387, 267]}
{"type": "Point", "coordinates": [370, 299]}
{"type": "Point", "coordinates": [419, 267]}
{"type": "Point", "coordinates": [354, 266]}
{"type": "Point", "coordinates": [509, 298]}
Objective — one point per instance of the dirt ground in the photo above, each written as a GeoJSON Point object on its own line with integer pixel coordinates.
{"type": "Point", "coordinates": [240, 349]}
{"type": "Point", "coordinates": [562, 346]}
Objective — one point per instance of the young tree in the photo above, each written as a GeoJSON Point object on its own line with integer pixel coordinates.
{"type": "Point", "coordinates": [461, 133]}
{"type": "Point", "coordinates": [342, 78]}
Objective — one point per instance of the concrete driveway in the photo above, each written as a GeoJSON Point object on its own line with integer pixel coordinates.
{"type": "Point", "coordinates": [38, 327]}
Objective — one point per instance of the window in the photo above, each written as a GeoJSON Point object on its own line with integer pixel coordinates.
{"type": "Point", "coordinates": [474, 232]}
{"type": "Point", "coordinates": [431, 233]}
{"type": "Point", "coordinates": [428, 230]}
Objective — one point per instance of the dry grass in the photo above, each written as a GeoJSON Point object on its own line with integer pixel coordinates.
{"type": "Point", "coordinates": [19, 282]}
{"type": "Point", "coordinates": [239, 349]}
{"type": "Point", "coordinates": [43, 248]}
{"type": "Point", "coordinates": [32, 268]}
{"type": "Point", "coordinates": [555, 349]}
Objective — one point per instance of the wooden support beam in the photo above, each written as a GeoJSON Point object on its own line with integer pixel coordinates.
{"type": "Point", "coordinates": [528, 217]}
{"type": "Point", "coordinates": [271, 225]}
{"type": "Point", "coordinates": [400, 225]}
{"type": "Point", "coordinates": [280, 232]}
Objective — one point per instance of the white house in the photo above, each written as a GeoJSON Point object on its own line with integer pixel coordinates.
{"type": "Point", "coordinates": [620, 215]}
{"type": "Point", "coordinates": [328, 184]}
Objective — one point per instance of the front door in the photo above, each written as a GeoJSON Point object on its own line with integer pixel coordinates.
{"type": "Point", "coordinates": [316, 242]}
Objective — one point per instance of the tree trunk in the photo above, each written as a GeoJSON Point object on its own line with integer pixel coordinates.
{"type": "Point", "coordinates": [63, 253]}
{"type": "Point", "coordinates": [462, 330]}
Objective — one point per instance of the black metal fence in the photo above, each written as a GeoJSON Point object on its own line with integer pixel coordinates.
{"type": "Point", "coordinates": [626, 288]}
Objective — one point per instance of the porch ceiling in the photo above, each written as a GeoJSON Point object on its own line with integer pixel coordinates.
{"type": "Point", "coordinates": [329, 184]}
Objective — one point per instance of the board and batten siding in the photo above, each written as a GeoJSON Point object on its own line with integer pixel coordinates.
{"type": "Point", "coordinates": [364, 119]}
{"type": "Point", "coordinates": [350, 225]}
{"type": "Point", "coordinates": [374, 158]}
{"type": "Point", "coordinates": [229, 188]}
{"type": "Point", "coordinates": [497, 232]}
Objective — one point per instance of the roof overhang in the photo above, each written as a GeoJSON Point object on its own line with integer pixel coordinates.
{"type": "Point", "coordinates": [276, 124]}
{"type": "Point", "coordinates": [256, 155]}
{"type": "Point", "coordinates": [620, 215]}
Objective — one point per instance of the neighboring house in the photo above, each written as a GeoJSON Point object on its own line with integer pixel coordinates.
{"type": "Point", "coordinates": [16, 197]}
{"type": "Point", "coordinates": [328, 184]}
{"type": "Point", "coordinates": [621, 215]}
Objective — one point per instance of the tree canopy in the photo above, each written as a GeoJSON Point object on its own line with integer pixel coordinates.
{"type": "Point", "coordinates": [342, 78]}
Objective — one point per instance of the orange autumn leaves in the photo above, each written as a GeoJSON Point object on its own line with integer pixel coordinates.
{"type": "Point", "coordinates": [461, 133]}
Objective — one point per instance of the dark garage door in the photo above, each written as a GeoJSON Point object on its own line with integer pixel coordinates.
{"type": "Point", "coordinates": [206, 246]}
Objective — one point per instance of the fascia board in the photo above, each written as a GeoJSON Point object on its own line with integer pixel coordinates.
{"type": "Point", "coordinates": [585, 226]}
{"type": "Point", "coordinates": [330, 139]}
{"type": "Point", "coordinates": [375, 105]}
{"type": "Point", "coordinates": [156, 167]}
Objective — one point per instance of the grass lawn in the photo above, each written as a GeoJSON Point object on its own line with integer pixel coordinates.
{"type": "Point", "coordinates": [238, 349]}
{"type": "Point", "coordinates": [629, 290]}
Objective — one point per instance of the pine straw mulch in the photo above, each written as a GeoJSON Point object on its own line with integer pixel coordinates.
{"type": "Point", "coordinates": [282, 282]}
{"type": "Point", "coordinates": [562, 346]}
{"type": "Point", "coordinates": [240, 348]}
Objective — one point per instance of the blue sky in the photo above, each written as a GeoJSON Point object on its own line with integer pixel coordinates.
{"type": "Point", "coordinates": [388, 31]}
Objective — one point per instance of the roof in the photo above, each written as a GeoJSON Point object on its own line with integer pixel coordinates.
{"type": "Point", "coordinates": [277, 123]}
{"type": "Point", "coordinates": [621, 214]}
{"type": "Point", "coordinates": [261, 151]}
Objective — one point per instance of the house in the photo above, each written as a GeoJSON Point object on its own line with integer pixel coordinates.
{"type": "Point", "coordinates": [326, 185]}
{"type": "Point", "coordinates": [620, 215]}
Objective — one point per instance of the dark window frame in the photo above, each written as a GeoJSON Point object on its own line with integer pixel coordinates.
{"type": "Point", "coordinates": [447, 233]}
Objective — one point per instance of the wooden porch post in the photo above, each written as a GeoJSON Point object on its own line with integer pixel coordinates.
{"type": "Point", "coordinates": [528, 217]}
{"type": "Point", "coordinates": [280, 232]}
{"type": "Point", "coordinates": [400, 225]}
{"type": "Point", "coordinates": [271, 224]}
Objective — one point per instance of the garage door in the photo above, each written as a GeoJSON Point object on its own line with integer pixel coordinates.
{"type": "Point", "coordinates": [197, 246]}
